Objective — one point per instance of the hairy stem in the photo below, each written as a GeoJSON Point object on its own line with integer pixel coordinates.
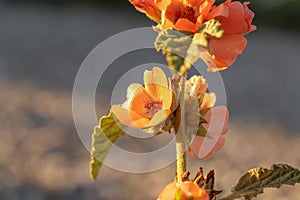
{"type": "Point", "coordinates": [180, 135]}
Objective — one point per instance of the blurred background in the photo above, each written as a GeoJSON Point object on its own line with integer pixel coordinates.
{"type": "Point", "coordinates": [42, 45]}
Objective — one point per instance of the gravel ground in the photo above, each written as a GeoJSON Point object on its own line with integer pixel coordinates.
{"type": "Point", "coordinates": [41, 49]}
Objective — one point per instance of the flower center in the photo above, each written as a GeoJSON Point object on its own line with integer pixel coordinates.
{"type": "Point", "coordinates": [152, 107]}
{"type": "Point", "coordinates": [188, 13]}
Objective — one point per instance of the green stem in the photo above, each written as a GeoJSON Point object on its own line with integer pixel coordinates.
{"type": "Point", "coordinates": [180, 135]}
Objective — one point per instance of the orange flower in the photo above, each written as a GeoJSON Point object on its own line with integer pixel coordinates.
{"type": "Point", "coordinates": [178, 14]}
{"type": "Point", "coordinates": [186, 190]}
{"type": "Point", "coordinates": [146, 106]}
{"type": "Point", "coordinates": [149, 8]}
{"type": "Point", "coordinates": [235, 18]}
{"type": "Point", "coordinates": [216, 119]}
{"type": "Point", "coordinates": [183, 15]}
{"type": "Point", "coordinates": [189, 15]}
{"type": "Point", "coordinates": [216, 126]}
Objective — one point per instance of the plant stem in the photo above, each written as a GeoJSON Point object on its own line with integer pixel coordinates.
{"type": "Point", "coordinates": [180, 135]}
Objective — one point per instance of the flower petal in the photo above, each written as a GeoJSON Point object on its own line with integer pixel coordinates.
{"type": "Point", "coordinates": [141, 123]}
{"type": "Point", "coordinates": [208, 101]}
{"type": "Point", "coordinates": [159, 117]}
{"type": "Point", "coordinates": [249, 15]}
{"type": "Point", "coordinates": [131, 89]}
{"type": "Point", "coordinates": [204, 10]}
{"type": "Point", "coordinates": [197, 148]}
{"type": "Point", "coordinates": [235, 22]}
{"type": "Point", "coordinates": [173, 9]}
{"type": "Point", "coordinates": [220, 10]}
{"type": "Point", "coordinates": [137, 102]}
{"type": "Point", "coordinates": [126, 117]}
{"type": "Point", "coordinates": [183, 24]}
{"type": "Point", "coordinates": [156, 84]}
{"type": "Point", "coordinates": [163, 4]}
{"type": "Point", "coordinates": [148, 7]}
{"type": "Point", "coordinates": [157, 76]}
{"type": "Point", "coordinates": [225, 50]}
{"type": "Point", "coordinates": [125, 105]}
{"type": "Point", "coordinates": [195, 3]}
{"type": "Point", "coordinates": [217, 121]}
{"type": "Point", "coordinates": [198, 86]}
{"type": "Point", "coordinates": [122, 115]}
{"type": "Point", "coordinates": [218, 146]}
{"type": "Point", "coordinates": [217, 126]}
{"type": "Point", "coordinates": [207, 58]}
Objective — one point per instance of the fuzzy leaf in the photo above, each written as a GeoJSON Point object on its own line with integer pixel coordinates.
{"type": "Point", "coordinates": [105, 134]}
{"type": "Point", "coordinates": [211, 28]}
{"type": "Point", "coordinates": [201, 131]}
{"type": "Point", "coordinates": [183, 49]}
{"type": "Point", "coordinates": [256, 180]}
{"type": "Point", "coordinates": [174, 44]}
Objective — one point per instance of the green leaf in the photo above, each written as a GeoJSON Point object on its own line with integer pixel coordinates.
{"type": "Point", "coordinates": [105, 134]}
{"type": "Point", "coordinates": [256, 180]}
{"type": "Point", "coordinates": [183, 49]}
{"type": "Point", "coordinates": [211, 28]}
{"type": "Point", "coordinates": [201, 131]}
{"type": "Point", "coordinates": [174, 44]}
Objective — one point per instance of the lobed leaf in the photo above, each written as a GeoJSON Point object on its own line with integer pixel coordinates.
{"type": "Point", "coordinates": [105, 134]}
{"type": "Point", "coordinates": [183, 49]}
{"type": "Point", "coordinates": [211, 28]}
{"type": "Point", "coordinates": [174, 44]}
{"type": "Point", "coordinates": [256, 180]}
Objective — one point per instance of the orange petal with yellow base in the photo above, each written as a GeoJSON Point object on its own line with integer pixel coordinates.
{"type": "Point", "coordinates": [157, 86]}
